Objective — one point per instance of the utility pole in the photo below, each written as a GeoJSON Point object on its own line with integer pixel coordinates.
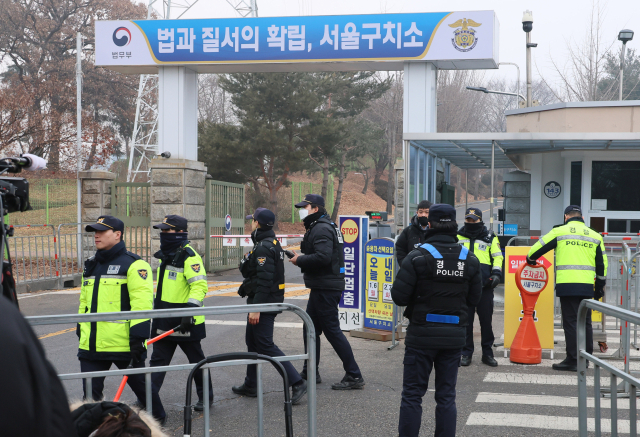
{"type": "Point", "coordinates": [527, 26]}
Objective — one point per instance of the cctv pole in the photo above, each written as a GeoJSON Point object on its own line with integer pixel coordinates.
{"type": "Point", "coordinates": [528, 69]}
{"type": "Point", "coordinates": [624, 46]}
{"type": "Point", "coordinates": [79, 143]}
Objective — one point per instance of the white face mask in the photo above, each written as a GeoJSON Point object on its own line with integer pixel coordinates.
{"type": "Point", "coordinates": [303, 213]}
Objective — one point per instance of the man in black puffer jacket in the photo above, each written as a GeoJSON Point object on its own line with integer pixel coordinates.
{"type": "Point", "coordinates": [413, 235]}
{"type": "Point", "coordinates": [263, 270]}
{"type": "Point", "coordinates": [436, 283]}
{"type": "Point", "coordinates": [322, 266]}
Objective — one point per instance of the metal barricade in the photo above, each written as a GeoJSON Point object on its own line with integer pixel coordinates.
{"type": "Point", "coordinates": [34, 257]}
{"type": "Point", "coordinates": [630, 382]}
{"type": "Point", "coordinates": [75, 246]}
{"type": "Point", "coordinates": [310, 356]}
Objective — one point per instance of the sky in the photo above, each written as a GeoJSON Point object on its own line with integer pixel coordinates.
{"type": "Point", "coordinates": [557, 23]}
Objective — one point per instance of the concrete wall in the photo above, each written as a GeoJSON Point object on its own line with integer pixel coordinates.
{"type": "Point", "coordinates": [570, 119]}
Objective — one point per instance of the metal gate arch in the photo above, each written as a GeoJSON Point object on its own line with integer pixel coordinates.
{"type": "Point", "coordinates": [223, 198]}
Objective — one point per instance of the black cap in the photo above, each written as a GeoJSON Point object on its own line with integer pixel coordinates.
{"type": "Point", "coordinates": [173, 221]}
{"type": "Point", "coordinates": [316, 199]}
{"type": "Point", "coordinates": [265, 217]}
{"type": "Point", "coordinates": [105, 223]}
{"type": "Point", "coordinates": [572, 208]}
{"type": "Point", "coordinates": [473, 213]}
{"type": "Point", "coordinates": [254, 215]}
{"type": "Point", "coordinates": [442, 212]}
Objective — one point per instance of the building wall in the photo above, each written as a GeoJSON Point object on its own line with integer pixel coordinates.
{"type": "Point", "coordinates": [593, 119]}
{"type": "Point", "coordinates": [545, 211]}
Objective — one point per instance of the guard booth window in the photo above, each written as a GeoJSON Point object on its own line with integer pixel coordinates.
{"type": "Point", "coordinates": [612, 180]}
{"type": "Point", "coordinates": [575, 196]}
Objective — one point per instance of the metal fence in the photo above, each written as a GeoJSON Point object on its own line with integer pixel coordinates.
{"type": "Point", "coordinates": [54, 201]}
{"type": "Point", "coordinates": [223, 199]}
{"type": "Point", "coordinates": [131, 203]}
{"type": "Point", "coordinates": [206, 311]}
{"type": "Point", "coordinates": [630, 382]}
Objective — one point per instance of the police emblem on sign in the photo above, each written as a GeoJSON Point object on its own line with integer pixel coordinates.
{"type": "Point", "coordinates": [143, 274]}
{"type": "Point", "coordinates": [195, 267]}
{"type": "Point", "coordinates": [261, 260]}
{"type": "Point", "coordinates": [464, 37]}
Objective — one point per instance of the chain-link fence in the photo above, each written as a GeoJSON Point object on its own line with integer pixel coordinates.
{"type": "Point", "coordinates": [54, 201]}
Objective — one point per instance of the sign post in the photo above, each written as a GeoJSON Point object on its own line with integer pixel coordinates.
{"type": "Point", "coordinates": [513, 306]}
{"type": "Point", "coordinates": [354, 230]}
{"type": "Point", "coordinates": [378, 279]}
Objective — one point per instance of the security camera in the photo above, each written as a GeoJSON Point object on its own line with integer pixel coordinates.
{"type": "Point", "coordinates": [527, 21]}
{"type": "Point", "coordinates": [166, 155]}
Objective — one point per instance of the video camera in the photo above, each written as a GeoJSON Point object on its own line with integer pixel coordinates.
{"type": "Point", "coordinates": [15, 191]}
{"type": "Point", "coordinates": [14, 197]}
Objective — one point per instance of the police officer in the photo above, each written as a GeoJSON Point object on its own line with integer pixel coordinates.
{"type": "Point", "coordinates": [263, 270]}
{"type": "Point", "coordinates": [484, 244]}
{"type": "Point", "coordinates": [413, 235]}
{"type": "Point", "coordinates": [322, 265]}
{"type": "Point", "coordinates": [437, 282]}
{"type": "Point", "coordinates": [114, 280]}
{"type": "Point", "coordinates": [580, 258]}
{"type": "Point", "coordinates": [182, 283]}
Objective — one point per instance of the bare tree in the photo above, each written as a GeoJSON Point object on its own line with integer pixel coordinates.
{"type": "Point", "coordinates": [214, 104]}
{"type": "Point", "coordinates": [586, 64]}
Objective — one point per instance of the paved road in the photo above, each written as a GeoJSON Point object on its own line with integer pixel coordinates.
{"type": "Point", "coordinates": [509, 400]}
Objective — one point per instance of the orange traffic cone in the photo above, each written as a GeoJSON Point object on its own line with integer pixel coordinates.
{"type": "Point", "coordinates": [531, 280]}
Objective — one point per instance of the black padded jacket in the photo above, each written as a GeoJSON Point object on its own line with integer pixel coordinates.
{"type": "Point", "coordinates": [322, 264]}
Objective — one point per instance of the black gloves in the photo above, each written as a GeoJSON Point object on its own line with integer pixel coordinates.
{"type": "Point", "coordinates": [494, 281]}
{"type": "Point", "coordinates": [185, 324]}
{"type": "Point", "coordinates": [138, 348]}
{"type": "Point", "coordinates": [531, 262]}
{"type": "Point", "coordinates": [78, 329]}
{"type": "Point", "coordinates": [598, 292]}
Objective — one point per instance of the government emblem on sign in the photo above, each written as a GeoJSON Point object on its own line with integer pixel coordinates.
{"type": "Point", "coordinates": [552, 189]}
{"type": "Point", "coordinates": [227, 222]}
{"type": "Point", "coordinates": [464, 37]}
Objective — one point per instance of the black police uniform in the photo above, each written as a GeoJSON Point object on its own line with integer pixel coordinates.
{"type": "Point", "coordinates": [263, 270]}
{"type": "Point", "coordinates": [436, 283]}
{"type": "Point", "coordinates": [411, 237]}
{"type": "Point", "coordinates": [322, 266]}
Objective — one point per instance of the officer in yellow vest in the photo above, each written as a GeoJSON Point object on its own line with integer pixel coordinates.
{"type": "Point", "coordinates": [484, 244]}
{"type": "Point", "coordinates": [182, 283]}
{"type": "Point", "coordinates": [114, 280]}
{"type": "Point", "coordinates": [580, 261]}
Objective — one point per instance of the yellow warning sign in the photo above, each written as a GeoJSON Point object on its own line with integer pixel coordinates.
{"type": "Point", "coordinates": [543, 314]}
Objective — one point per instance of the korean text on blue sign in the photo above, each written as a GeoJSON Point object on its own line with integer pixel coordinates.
{"type": "Point", "coordinates": [511, 229]}
{"type": "Point", "coordinates": [383, 37]}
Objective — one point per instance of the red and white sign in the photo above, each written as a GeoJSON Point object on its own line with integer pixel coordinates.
{"type": "Point", "coordinates": [532, 279]}
{"type": "Point", "coordinates": [228, 242]}
{"type": "Point", "coordinates": [516, 261]}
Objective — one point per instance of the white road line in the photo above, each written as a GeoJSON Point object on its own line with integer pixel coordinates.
{"type": "Point", "coordinates": [633, 365]}
{"type": "Point", "coordinates": [527, 378]}
{"type": "Point", "coordinates": [538, 400]}
{"type": "Point", "coordinates": [540, 422]}
{"type": "Point", "coordinates": [20, 297]}
{"type": "Point", "coordinates": [243, 323]}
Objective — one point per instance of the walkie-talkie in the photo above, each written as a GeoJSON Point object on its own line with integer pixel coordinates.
{"type": "Point", "coordinates": [290, 254]}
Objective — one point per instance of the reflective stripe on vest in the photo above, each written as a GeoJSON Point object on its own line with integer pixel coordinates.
{"type": "Point", "coordinates": [437, 255]}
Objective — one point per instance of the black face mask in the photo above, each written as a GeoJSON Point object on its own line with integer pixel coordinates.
{"type": "Point", "coordinates": [170, 241]}
{"type": "Point", "coordinates": [424, 221]}
{"type": "Point", "coordinates": [474, 227]}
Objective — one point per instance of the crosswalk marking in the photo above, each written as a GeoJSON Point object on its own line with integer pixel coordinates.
{"type": "Point", "coordinates": [528, 378]}
{"type": "Point", "coordinates": [633, 365]}
{"type": "Point", "coordinates": [539, 400]}
{"type": "Point", "coordinates": [556, 423]}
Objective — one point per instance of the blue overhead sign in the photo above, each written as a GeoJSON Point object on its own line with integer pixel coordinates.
{"type": "Point", "coordinates": [510, 229]}
{"type": "Point", "coordinates": [341, 38]}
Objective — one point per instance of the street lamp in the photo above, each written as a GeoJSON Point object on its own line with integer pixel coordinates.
{"type": "Point", "coordinates": [486, 91]}
{"type": "Point", "coordinates": [625, 35]}
{"type": "Point", "coordinates": [527, 26]}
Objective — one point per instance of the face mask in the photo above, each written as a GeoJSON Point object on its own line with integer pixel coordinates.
{"type": "Point", "coordinates": [424, 221]}
{"type": "Point", "coordinates": [474, 226]}
{"type": "Point", "coordinates": [170, 241]}
{"type": "Point", "coordinates": [303, 213]}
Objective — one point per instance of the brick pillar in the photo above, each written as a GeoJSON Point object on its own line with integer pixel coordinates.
{"type": "Point", "coordinates": [178, 187]}
{"type": "Point", "coordinates": [96, 193]}
{"type": "Point", "coordinates": [399, 212]}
